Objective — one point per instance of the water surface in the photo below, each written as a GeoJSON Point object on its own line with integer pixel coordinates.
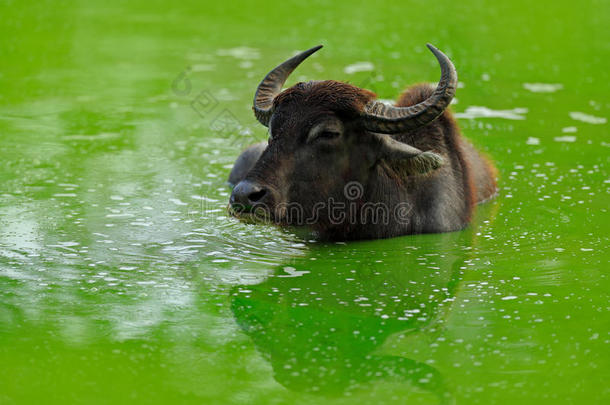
{"type": "Point", "coordinates": [122, 279]}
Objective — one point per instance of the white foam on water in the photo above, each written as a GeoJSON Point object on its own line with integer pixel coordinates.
{"type": "Point", "coordinates": [566, 138]}
{"type": "Point", "coordinates": [543, 87]}
{"type": "Point", "coordinates": [292, 272]}
{"type": "Point", "coordinates": [359, 67]}
{"type": "Point", "coordinates": [474, 112]}
{"type": "Point", "coordinates": [589, 119]}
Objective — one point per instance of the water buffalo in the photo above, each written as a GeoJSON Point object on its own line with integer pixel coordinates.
{"type": "Point", "coordinates": [348, 166]}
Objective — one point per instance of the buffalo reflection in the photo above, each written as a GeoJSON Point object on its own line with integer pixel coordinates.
{"type": "Point", "coordinates": [320, 320]}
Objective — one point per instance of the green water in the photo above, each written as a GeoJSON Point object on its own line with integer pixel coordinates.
{"type": "Point", "coordinates": [122, 280]}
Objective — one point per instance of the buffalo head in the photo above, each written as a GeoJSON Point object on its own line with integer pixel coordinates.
{"type": "Point", "coordinates": [329, 143]}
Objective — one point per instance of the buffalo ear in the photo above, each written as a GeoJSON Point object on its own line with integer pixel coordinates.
{"type": "Point", "coordinates": [405, 158]}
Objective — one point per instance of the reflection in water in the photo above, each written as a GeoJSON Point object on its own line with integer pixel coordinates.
{"type": "Point", "coordinates": [320, 320]}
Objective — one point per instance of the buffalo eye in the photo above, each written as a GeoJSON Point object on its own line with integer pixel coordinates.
{"type": "Point", "coordinates": [326, 130]}
{"type": "Point", "coordinates": [328, 134]}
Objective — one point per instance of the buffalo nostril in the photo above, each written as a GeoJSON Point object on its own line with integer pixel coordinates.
{"type": "Point", "coordinates": [246, 195]}
{"type": "Point", "coordinates": [257, 195]}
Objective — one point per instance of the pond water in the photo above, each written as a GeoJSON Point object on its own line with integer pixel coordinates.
{"type": "Point", "coordinates": [123, 279]}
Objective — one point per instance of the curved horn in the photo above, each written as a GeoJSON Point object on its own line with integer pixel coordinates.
{"type": "Point", "coordinates": [272, 84]}
{"type": "Point", "coordinates": [379, 117]}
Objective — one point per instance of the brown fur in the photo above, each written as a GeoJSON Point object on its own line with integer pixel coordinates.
{"type": "Point", "coordinates": [342, 98]}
